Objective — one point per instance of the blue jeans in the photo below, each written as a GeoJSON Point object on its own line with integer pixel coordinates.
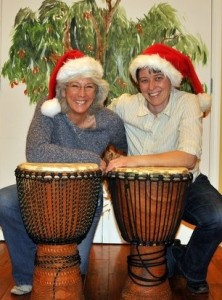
{"type": "Point", "coordinates": [21, 248]}
{"type": "Point", "coordinates": [203, 208]}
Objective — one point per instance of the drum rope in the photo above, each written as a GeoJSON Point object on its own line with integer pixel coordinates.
{"type": "Point", "coordinates": [145, 262]}
{"type": "Point", "coordinates": [57, 262]}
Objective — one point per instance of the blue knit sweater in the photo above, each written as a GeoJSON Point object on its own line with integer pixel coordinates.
{"type": "Point", "coordinates": [58, 140]}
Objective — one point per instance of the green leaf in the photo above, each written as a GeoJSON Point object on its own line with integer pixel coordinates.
{"type": "Point", "coordinates": [38, 37]}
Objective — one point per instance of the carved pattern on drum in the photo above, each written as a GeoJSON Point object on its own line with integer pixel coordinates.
{"type": "Point", "coordinates": [56, 274]}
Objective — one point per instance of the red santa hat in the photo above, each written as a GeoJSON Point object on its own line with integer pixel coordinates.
{"type": "Point", "coordinates": [72, 64]}
{"type": "Point", "coordinates": [173, 64]}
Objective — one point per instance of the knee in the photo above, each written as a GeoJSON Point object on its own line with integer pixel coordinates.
{"type": "Point", "coordinates": [213, 220]}
{"type": "Point", "coordinates": [8, 199]}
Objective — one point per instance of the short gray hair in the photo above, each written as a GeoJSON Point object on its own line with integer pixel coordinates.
{"type": "Point", "coordinates": [102, 90]}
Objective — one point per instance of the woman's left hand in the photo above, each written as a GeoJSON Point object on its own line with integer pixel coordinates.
{"type": "Point", "coordinates": [122, 161]}
{"type": "Point", "coordinates": [102, 165]}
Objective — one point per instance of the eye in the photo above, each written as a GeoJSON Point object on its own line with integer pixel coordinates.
{"type": "Point", "coordinates": [89, 86]}
{"type": "Point", "coordinates": [159, 77]}
{"type": "Point", "coordinates": [75, 85]}
{"type": "Point", "coordinates": [143, 80]}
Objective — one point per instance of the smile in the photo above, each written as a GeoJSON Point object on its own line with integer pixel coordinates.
{"type": "Point", "coordinates": [80, 102]}
{"type": "Point", "coordinates": [154, 94]}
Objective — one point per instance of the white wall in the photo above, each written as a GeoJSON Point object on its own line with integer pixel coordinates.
{"type": "Point", "coordinates": [15, 111]}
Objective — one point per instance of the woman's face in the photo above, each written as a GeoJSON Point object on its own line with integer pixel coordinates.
{"type": "Point", "coordinates": [80, 94]}
{"type": "Point", "coordinates": [155, 87]}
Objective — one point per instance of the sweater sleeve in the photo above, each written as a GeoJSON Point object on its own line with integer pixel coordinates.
{"type": "Point", "coordinates": [40, 146]}
{"type": "Point", "coordinates": [118, 135]}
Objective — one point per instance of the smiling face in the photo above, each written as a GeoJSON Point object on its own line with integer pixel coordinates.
{"type": "Point", "coordinates": [80, 94]}
{"type": "Point", "coordinates": [155, 87]}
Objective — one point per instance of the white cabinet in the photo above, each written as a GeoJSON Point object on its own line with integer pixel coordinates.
{"type": "Point", "coordinates": [1, 235]}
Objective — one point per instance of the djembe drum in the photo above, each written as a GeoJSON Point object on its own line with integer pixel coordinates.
{"type": "Point", "coordinates": [58, 203]}
{"type": "Point", "coordinates": [148, 204]}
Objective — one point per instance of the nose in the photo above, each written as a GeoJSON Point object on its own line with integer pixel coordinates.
{"type": "Point", "coordinates": [151, 84]}
{"type": "Point", "coordinates": [82, 91]}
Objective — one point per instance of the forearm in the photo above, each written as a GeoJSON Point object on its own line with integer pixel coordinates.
{"type": "Point", "coordinates": [167, 159]}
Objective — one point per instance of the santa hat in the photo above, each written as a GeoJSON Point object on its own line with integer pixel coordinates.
{"type": "Point", "coordinates": [173, 64]}
{"type": "Point", "coordinates": [72, 64]}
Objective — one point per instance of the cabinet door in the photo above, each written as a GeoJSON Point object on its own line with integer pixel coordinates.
{"type": "Point", "coordinates": [196, 18]}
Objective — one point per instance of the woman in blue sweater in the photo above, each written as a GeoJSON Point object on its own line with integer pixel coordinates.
{"type": "Point", "coordinates": [71, 126]}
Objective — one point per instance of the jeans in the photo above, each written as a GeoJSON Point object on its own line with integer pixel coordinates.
{"type": "Point", "coordinates": [21, 248]}
{"type": "Point", "coordinates": [203, 208]}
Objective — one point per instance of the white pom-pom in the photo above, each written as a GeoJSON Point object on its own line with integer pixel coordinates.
{"type": "Point", "coordinates": [51, 107]}
{"type": "Point", "coordinates": [205, 102]}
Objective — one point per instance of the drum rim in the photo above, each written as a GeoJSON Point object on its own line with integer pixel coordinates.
{"type": "Point", "coordinates": [142, 174]}
{"type": "Point", "coordinates": [152, 170]}
{"type": "Point", "coordinates": [57, 167]}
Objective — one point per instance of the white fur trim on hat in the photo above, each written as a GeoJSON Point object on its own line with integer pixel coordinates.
{"type": "Point", "coordinates": [154, 61]}
{"type": "Point", "coordinates": [81, 66]}
{"type": "Point", "coordinates": [51, 107]}
{"type": "Point", "coordinates": [205, 101]}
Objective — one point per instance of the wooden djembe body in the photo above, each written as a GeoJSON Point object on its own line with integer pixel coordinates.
{"type": "Point", "coordinates": [58, 203]}
{"type": "Point", "coordinates": [148, 205]}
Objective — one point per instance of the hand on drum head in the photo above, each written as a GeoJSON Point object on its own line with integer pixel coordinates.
{"type": "Point", "coordinates": [122, 161]}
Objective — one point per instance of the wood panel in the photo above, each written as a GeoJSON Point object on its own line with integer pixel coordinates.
{"type": "Point", "coordinates": [107, 273]}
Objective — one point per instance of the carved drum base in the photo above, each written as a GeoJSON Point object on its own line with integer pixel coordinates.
{"type": "Point", "coordinates": [147, 274]}
{"type": "Point", "coordinates": [57, 274]}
